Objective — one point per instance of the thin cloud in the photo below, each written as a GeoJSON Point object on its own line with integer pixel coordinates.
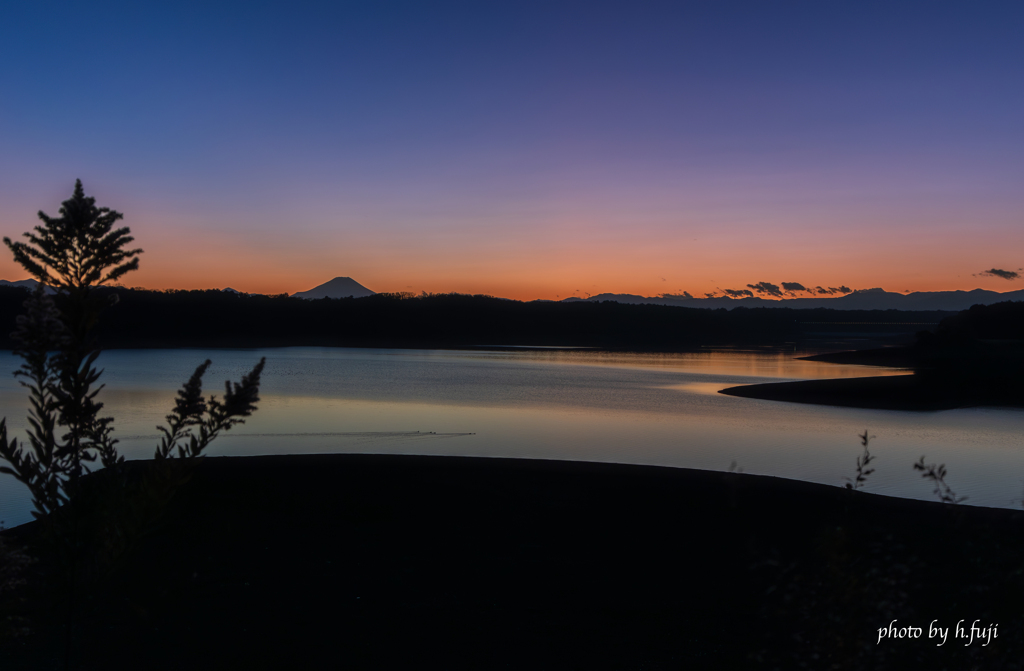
{"type": "Point", "coordinates": [685, 294]}
{"type": "Point", "coordinates": [998, 272]}
{"type": "Point", "coordinates": [795, 286]}
{"type": "Point", "coordinates": [830, 291]}
{"type": "Point", "coordinates": [766, 288]}
{"type": "Point", "coordinates": [738, 293]}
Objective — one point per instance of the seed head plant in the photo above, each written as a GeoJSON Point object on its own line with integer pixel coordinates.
{"type": "Point", "coordinates": [85, 531]}
{"type": "Point", "coordinates": [937, 474]}
{"type": "Point", "coordinates": [862, 464]}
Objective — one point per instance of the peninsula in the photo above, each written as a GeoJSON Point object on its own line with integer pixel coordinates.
{"type": "Point", "coordinates": [973, 358]}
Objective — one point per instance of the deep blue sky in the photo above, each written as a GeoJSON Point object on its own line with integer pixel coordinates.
{"type": "Point", "coordinates": [526, 149]}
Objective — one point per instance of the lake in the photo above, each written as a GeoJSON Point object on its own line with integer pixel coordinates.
{"type": "Point", "coordinates": [659, 409]}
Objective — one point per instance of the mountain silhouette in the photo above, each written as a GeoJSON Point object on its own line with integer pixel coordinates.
{"type": "Point", "coordinates": [863, 299]}
{"type": "Point", "coordinates": [339, 287]}
{"type": "Point", "coordinates": [29, 284]}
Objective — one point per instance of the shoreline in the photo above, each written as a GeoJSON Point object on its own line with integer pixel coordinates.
{"type": "Point", "coordinates": [885, 357]}
{"type": "Point", "coordinates": [703, 349]}
{"type": "Point", "coordinates": [889, 392]}
{"type": "Point", "coordinates": [388, 561]}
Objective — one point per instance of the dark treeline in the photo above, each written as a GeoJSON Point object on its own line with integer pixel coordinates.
{"type": "Point", "coordinates": [211, 318]}
{"type": "Point", "coordinates": [981, 350]}
{"type": "Point", "coordinates": [999, 321]}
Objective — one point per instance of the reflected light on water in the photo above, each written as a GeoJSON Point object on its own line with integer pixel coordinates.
{"type": "Point", "coordinates": [660, 409]}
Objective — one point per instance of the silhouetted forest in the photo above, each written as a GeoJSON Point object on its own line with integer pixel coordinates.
{"type": "Point", "coordinates": [212, 318]}
{"type": "Point", "coordinates": [999, 321]}
{"type": "Point", "coordinates": [982, 347]}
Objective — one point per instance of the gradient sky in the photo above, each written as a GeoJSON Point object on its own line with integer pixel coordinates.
{"type": "Point", "coordinates": [526, 149]}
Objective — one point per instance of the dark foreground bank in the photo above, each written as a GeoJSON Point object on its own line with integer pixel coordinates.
{"type": "Point", "coordinates": [400, 562]}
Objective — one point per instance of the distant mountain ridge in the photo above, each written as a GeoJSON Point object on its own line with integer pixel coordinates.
{"type": "Point", "coordinates": [29, 284]}
{"type": "Point", "coordinates": [339, 287]}
{"type": "Point", "coordinates": [863, 299]}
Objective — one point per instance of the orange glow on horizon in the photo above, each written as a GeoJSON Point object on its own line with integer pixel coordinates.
{"type": "Point", "coordinates": [557, 257]}
{"type": "Point", "coordinates": [544, 276]}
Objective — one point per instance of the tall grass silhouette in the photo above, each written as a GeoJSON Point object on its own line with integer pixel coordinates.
{"type": "Point", "coordinates": [86, 526]}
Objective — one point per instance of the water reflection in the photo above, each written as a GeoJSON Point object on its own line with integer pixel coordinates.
{"type": "Point", "coordinates": [628, 408]}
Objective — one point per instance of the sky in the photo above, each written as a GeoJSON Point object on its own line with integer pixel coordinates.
{"type": "Point", "coordinates": [526, 149]}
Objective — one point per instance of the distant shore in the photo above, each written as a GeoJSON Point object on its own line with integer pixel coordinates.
{"type": "Point", "coordinates": [213, 319]}
{"type": "Point", "coordinates": [890, 392]}
{"type": "Point", "coordinates": [887, 357]}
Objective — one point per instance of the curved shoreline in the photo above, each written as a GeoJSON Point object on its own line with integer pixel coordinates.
{"type": "Point", "coordinates": [890, 392]}
{"type": "Point", "coordinates": [886, 357]}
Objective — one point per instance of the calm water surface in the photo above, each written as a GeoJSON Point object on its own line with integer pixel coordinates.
{"type": "Point", "coordinates": [660, 409]}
